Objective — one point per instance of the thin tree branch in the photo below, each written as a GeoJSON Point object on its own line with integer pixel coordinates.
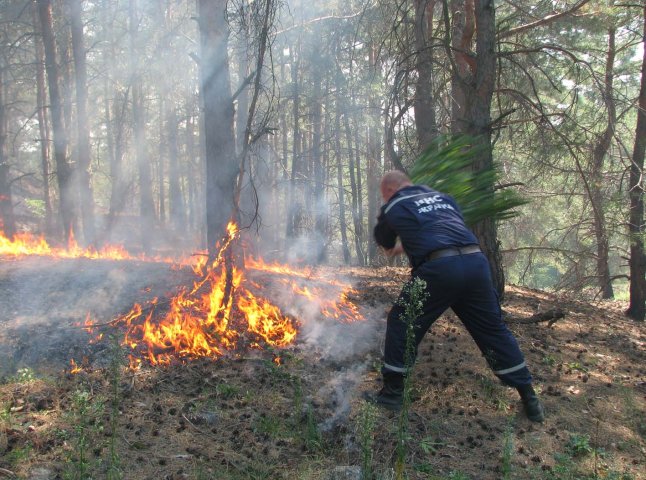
{"type": "Point", "coordinates": [543, 21]}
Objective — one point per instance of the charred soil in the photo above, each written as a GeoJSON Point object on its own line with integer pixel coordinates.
{"type": "Point", "coordinates": [298, 413]}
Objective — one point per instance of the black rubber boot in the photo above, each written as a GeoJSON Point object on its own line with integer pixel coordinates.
{"type": "Point", "coordinates": [533, 407]}
{"type": "Point", "coordinates": [391, 395]}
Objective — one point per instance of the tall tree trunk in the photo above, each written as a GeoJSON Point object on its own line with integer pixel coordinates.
{"type": "Point", "coordinates": [146, 202]}
{"type": "Point", "coordinates": [242, 110]}
{"type": "Point", "coordinates": [473, 81]}
{"type": "Point", "coordinates": [116, 124]}
{"type": "Point", "coordinates": [115, 109]}
{"type": "Point", "coordinates": [163, 149]}
{"type": "Point", "coordinates": [636, 226]}
{"type": "Point", "coordinates": [63, 168]}
{"type": "Point", "coordinates": [43, 126]}
{"type": "Point", "coordinates": [191, 168]}
{"type": "Point", "coordinates": [596, 184]}
{"type": "Point", "coordinates": [176, 208]}
{"type": "Point", "coordinates": [347, 258]}
{"type": "Point", "coordinates": [318, 167]}
{"type": "Point", "coordinates": [424, 101]}
{"type": "Point", "coordinates": [219, 136]}
{"type": "Point", "coordinates": [294, 212]}
{"type": "Point", "coordinates": [86, 195]}
{"type": "Point", "coordinates": [374, 156]}
{"type": "Point", "coordinates": [7, 219]}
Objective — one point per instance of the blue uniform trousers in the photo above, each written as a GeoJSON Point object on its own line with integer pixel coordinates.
{"type": "Point", "coordinates": [462, 283]}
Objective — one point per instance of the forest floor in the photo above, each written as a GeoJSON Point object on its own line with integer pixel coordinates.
{"type": "Point", "coordinates": [247, 415]}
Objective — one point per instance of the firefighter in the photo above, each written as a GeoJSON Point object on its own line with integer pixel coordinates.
{"type": "Point", "coordinates": [445, 254]}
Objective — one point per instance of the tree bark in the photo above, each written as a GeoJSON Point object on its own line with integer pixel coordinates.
{"type": "Point", "coordinates": [296, 193]}
{"type": "Point", "coordinates": [339, 181]}
{"type": "Point", "coordinates": [7, 219]}
{"type": "Point", "coordinates": [63, 168]}
{"type": "Point", "coordinates": [163, 149]}
{"type": "Point", "coordinates": [86, 194]}
{"type": "Point", "coordinates": [596, 184]}
{"type": "Point", "coordinates": [424, 101]}
{"type": "Point", "coordinates": [318, 167]}
{"type": "Point", "coordinates": [192, 166]}
{"type": "Point", "coordinates": [219, 136]}
{"type": "Point", "coordinates": [43, 126]}
{"type": "Point", "coordinates": [374, 156]}
{"type": "Point", "coordinates": [636, 227]}
{"type": "Point", "coordinates": [146, 202]}
{"type": "Point", "coordinates": [176, 208]}
{"type": "Point", "coordinates": [473, 81]}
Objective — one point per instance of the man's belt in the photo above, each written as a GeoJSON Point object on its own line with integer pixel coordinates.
{"type": "Point", "coordinates": [453, 251]}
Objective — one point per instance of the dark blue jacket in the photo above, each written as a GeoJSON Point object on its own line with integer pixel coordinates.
{"type": "Point", "coordinates": [425, 220]}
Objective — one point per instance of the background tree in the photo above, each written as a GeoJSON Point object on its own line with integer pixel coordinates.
{"type": "Point", "coordinates": [219, 138]}
{"type": "Point", "coordinates": [637, 307]}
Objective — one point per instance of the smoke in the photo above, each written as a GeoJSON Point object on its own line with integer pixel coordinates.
{"type": "Point", "coordinates": [45, 299]}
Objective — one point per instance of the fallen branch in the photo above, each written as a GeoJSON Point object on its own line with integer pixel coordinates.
{"type": "Point", "coordinates": [7, 473]}
{"type": "Point", "coordinates": [550, 316]}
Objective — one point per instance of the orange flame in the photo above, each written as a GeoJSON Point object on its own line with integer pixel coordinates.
{"type": "Point", "coordinates": [24, 244]}
{"type": "Point", "coordinates": [74, 367]}
{"type": "Point", "coordinates": [215, 314]}
{"type": "Point", "coordinates": [206, 322]}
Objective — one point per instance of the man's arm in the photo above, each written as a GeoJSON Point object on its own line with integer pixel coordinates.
{"type": "Point", "coordinates": [385, 236]}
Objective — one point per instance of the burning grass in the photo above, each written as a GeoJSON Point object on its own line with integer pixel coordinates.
{"type": "Point", "coordinates": [224, 310]}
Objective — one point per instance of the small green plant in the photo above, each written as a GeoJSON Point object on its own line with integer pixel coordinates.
{"type": "Point", "coordinates": [428, 445]}
{"type": "Point", "coordinates": [298, 395]}
{"type": "Point", "coordinates": [117, 361]}
{"type": "Point", "coordinates": [577, 366]}
{"type": "Point", "coordinates": [5, 413]}
{"type": "Point", "coordinates": [19, 455]}
{"type": "Point", "coordinates": [635, 416]}
{"type": "Point", "coordinates": [508, 450]}
{"type": "Point", "coordinates": [226, 391]}
{"type": "Point", "coordinates": [414, 294]}
{"type": "Point", "coordinates": [457, 475]}
{"type": "Point", "coordinates": [277, 372]}
{"type": "Point", "coordinates": [312, 433]}
{"type": "Point", "coordinates": [579, 445]}
{"type": "Point", "coordinates": [269, 424]}
{"type": "Point", "coordinates": [366, 429]}
{"type": "Point", "coordinates": [493, 393]}
{"type": "Point", "coordinates": [24, 375]}
{"type": "Point", "coordinates": [549, 360]}
{"type": "Point", "coordinates": [424, 467]}
{"type": "Point", "coordinates": [77, 467]}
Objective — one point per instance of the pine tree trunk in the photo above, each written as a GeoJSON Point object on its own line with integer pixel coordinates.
{"type": "Point", "coordinates": [636, 227]}
{"type": "Point", "coordinates": [43, 126]}
{"type": "Point", "coordinates": [424, 101]}
{"type": "Point", "coordinates": [219, 136]}
{"type": "Point", "coordinates": [7, 219]}
{"type": "Point", "coordinates": [146, 202]}
{"type": "Point", "coordinates": [339, 181]}
{"type": "Point", "coordinates": [176, 208]}
{"type": "Point", "coordinates": [318, 167]}
{"type": "Point", "coordinates": [63, 168]}
{"type": "Point", "coordinates": [86, 195]}
{"type": "Point", "coordinates": [473, 82]}
{"type": "Point", "coordinates": [163, 149]}
{"type": "Point", "coordinates": [595, 186]}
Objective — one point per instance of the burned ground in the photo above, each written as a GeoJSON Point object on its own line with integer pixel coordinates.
{"type": "Point", "coordinates": [298, 412]}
